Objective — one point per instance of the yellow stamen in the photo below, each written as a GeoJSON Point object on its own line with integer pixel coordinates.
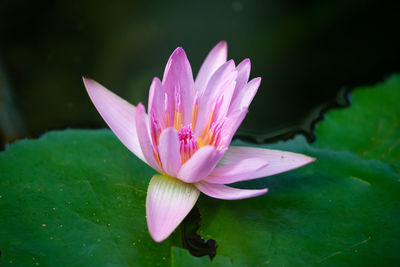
{"type": "Point", "coordinates": [157, 157]}
{"type": "Point", "coordinates": [178, 120]}
{"type": "Point", "coordinates": [166, 119]}
{"type": "Point", "coordinates": [195, 111]}
{"type": "Point", "coordinates": [205, 134]}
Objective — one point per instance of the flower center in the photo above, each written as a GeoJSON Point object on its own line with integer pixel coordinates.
{"type": "Point", "coordinates": [188, 142]}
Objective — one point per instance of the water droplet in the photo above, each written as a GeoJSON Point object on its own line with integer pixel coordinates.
{"type": "Point", "coordinates": [1, 196]}
{"type": "Point", "coordinates": [54, 208]}
{"type": "Point", "coordinates": [61, 225]}
{"type": "Point", "coordinates": [134, 243]}
{"type": "Point", "coordinates": [108, 224]}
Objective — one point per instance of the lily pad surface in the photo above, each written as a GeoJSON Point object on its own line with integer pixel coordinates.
{"type": "Point", "coordinates": [77, 198]}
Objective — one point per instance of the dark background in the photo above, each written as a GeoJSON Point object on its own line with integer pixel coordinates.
{"type": "Point", "coordinates": [307, 52]}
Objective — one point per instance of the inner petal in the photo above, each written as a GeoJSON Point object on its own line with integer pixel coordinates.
{"type": "Point", "coordinates": [188, 142]}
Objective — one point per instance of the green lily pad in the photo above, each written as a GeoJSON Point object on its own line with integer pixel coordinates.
{"type": "Point", "coordinates": [77, 198]}
{"type": "Point", "coordinates": [341, 210]}
{"type": "Point", "coordinates": [370, 127]}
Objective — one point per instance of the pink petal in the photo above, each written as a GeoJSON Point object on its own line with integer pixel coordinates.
{"type": "Point", "coordinates": [278, 161]}
{"type": "Point", "coordinates": [215, 58]}
{"type": "Point", "coordinates": [222, 83]}
{"type": "Point", "coordinates": [228, 90]}
{"type": "Point", "coordinates": [200, 165]}
{"type": "Point", "coordinates": [156, 100]}
{"type": "Point", "coordinates": [231, 124]}
{"type": "Point", "coordinates": [243, 76]}
{"type": "Point", "coordinates": [117, 113]}
{"type": "Point", "coordinates": [178, 82]}
{"type": "Point", "coordinates": [169, 151]}
{"type": "Point", "coordinates": [225, 192]}
{"type": "Point", "coordinates": [236, 171]}
{"type": "Point", "coordinates": [144, 137]}
{"type": "Point", "coordinates": [244, 96]}
{"type": "Point", "coordinates": [168, 202]}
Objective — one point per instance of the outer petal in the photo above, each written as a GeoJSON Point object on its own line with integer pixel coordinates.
{"type": "Point", "coordinates": [144, 137]}
{"type": "Point", "coordinates": [169, 151]}
{"type": "Point", "coordinates": [244, 96]}
{"type": "Point", "coordinates": [117, 113]}
{"type": "Point", "coordinates": [178, 83]}
{"type": "Point", "coordinates": [279, 161]}
{"type": "Point", "coordinates": [225, 192]}
{"type": "Point", "coordinates": [200, 165]}
{"type": "Point", "coordinates": [236, 171]}
{"type": "Point", "coordinates": [167, 204]}
{"type": "Point", "coordinates": [213, 61]}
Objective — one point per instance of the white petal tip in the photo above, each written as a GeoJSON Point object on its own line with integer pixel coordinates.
{"type": "Point", "coordinates": [158, 237]}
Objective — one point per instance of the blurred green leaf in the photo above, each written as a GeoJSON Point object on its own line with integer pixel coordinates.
{"type": "Point", "coordinates": [77, 197]}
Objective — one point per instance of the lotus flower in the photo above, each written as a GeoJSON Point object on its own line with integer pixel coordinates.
{"type": "Point", "coordinates": [186, 133]}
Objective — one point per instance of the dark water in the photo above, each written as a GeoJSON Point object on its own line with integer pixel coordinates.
{"type": "Point", "coordinates": [307, 53]}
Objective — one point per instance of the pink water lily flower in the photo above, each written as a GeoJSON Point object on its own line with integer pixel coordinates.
{"type": "Point", "coordinates": [186, 133]}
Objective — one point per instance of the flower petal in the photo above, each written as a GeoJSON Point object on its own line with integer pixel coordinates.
{"type": "Point", "coordinates": [236, 171]}
{"type": "Point", "coordinates": [168, 202]}
{"type": "Point", "coordinates": [144, 137]}
{"type": "Point", "coordinates": [200, 165]}
{"type": "Point", "coordinates": [278, 161]}
{"type": "Point", "coordinates": [244, 96]}
{"type": "Point", "coordinates": [225, 192]}
{"type": "Point", "coordinates": [243, 76]}
{"type": "Point", "coordinates": [156, 101]}
{"type": "Point", "coordinates": [231, 124]}
{"type": "Point", "coordinates": [178, 83]}
{"type": "Point", "coordinates": [215, 58]}
{"type": "Point", "coordinates": [221, 84]}
{"type": "Point", "coordinates": [117, 113]}
{"type": "Point", "coordinates": [169, 151]}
